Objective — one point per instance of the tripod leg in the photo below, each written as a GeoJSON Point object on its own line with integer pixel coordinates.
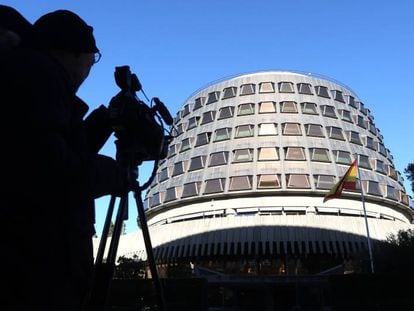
{"type": "Point", "coordinates": [148, 248]}
{"type": "Point", "coordinates": [105, 231]}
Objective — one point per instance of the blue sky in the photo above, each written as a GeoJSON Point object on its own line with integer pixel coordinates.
{"type": "Point", "coordinates": [176, 47]}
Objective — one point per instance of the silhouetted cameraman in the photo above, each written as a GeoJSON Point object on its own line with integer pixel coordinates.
{"type": "Point", "coordinates": [50, 168]}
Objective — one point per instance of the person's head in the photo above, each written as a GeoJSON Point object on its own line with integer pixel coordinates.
{"type": "Point", "coordinates": [14, 28]}
{"type": "Point", "coordinates": [70, 40]}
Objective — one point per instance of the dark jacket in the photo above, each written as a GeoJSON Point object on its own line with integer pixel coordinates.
{"type": "Point", "coordinates": [51, 174]}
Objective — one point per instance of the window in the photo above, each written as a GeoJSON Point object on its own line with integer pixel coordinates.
{"type": "Point", "coordinates": [197, 163]}
{"type": "Point", "coordinates": [199, 102]}
{"type": "Point", "coordinates": [372, 128]}
{"type": "Point", "coordinates": [191, 189]}
{"type": "Point", "coordinates": [392, 173]}
{"type": "Point", "coordinates": [374, 188]}
{"type": "Point", "coordinates": [382, 149]}
{"type": "Point", "coordinates": [319, 154]}
{"type": "Point", "coordinates": [267, 107]}
{"type": "Point", "coordinates": [291, 129]}
{"type": "Point", "coordinates": [314, 130]}
{"type": "Point", "coordinates": [193, 122]}
{"type": "Point", "coordinates": [163, 175]}
{"type": "Point", "coordinates": [294, 153]}
{"type": "Point", "coordinates": [369, 143]}
{"type": "Point", "coordinates": [335, 132]}
{"type": "Point", "coordinates": [203, 139]}
{"type": "Point", "coordinates": [404, 198]}
{"type": "Point", "coordinates": [172, 150]}
{"type": "Point", "coordinates": [266, 87]}
{"type": "Point", "coordinates": [218, 158]}
{"type": "Point", "coordinates": [245, 109]}
{"type": "Point", "coordinates": [179, 129]}
{"type": "Point", "coordinates": [345, 115]}
{"type": "Point", "coordinates": [328, 111]}
{"type": "Point", "coordinates": [186, 144]}
{"type": "Point", "coordinates": [268, 154]}
{"type": "Point", "coordinates": [267, 129]}
{"type": "Point", "coordinates": [351, 101]}
{"type": "Point", "coordinates": [178, 168]}
{"type": "Point", "coordinates": [353, 137]}
{"type": "Point", "coordinates": [240, 183]}
{"type": "Point", "coordinates": [286, 87]}
{"type": "Point", "coordinates": [380, 166]}
{"type": "Point", "coordinates": [222, 134]}
{"type": "Point", "coordinates": [170, 195]}
{"type": "Point", "coordinates": [186, 110]}
{"type": "Point", "coordinates": [156, 199]}
{"type": "Point", "coordinates": [305, 88]}
{"type": "Point", "coordinates": [392, 193]}
{"type": "Point", "coordinates": [208, 117]}
{"type": "Point", "coordinates": [297, 181]}
{"type": "Point", "coordinates": [268, 181]}
{"type": "Point", "coordinates": [213, 97]}
{"type": "Point", "coordinates": [288, 107]}
{"type": "Point", "coordinates": [309, 108]}
{"type": "Point", "coordinates": [226, 112]}
{"type": "Point", "coordinates": [324, 181]}
{"type": "Point", "coordinates": [229, 92]}
{"type": "Point", "coordinates": [244, 131]}
{"type": "Point", "coordinates": [342, 157]}
{"type": "Point", "coordinates": [247, 89]}
{"type": "Point", "coordinates": [363, 161]}
{"type": "Point", "coordinates": [214, 185]}
{"type": "Point", "coordinates": [243, 155]}
{"type": "Point", "coordinates": [322, 91]}
{"type": "Point", "coordinates": [338, 96]}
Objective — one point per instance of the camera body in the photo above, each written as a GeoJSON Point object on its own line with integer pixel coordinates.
{"type": "Point", "coordinates": [140, 137]}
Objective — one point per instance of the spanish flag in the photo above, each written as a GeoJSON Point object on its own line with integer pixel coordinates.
{"type": "Point", "coordinates": [348, 181]}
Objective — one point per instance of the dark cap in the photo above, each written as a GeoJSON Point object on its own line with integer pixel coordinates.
{"type": "Point", "coordinates": [12, 20]}
{"type": "Point", "coordinates": [64, 30]}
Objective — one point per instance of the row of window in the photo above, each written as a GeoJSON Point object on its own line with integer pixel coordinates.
{"type": "Point", "coordinates": [269, 181]}
{"type": "Point", "coordinates": [271, 129]}
{"type": "Point", "coordinates": [273, 154]}
{"type": "Point", "coordinates": [269, 87]}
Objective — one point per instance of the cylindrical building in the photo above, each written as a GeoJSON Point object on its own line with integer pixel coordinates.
{"type": "Point", "coordinates": [252, 159]}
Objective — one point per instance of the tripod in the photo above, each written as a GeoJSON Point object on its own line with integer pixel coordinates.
{"type": "Point", "coordinates": [104, 270]}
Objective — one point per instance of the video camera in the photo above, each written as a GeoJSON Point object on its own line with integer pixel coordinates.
{"type": "Point", "coordinates": [138, 127]}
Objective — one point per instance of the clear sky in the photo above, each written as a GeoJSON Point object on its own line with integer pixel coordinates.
{"type": "Point", "coordinates": [176, 47]}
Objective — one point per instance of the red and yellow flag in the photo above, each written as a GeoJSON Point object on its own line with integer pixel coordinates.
{"type": "Point", "coordinates": [348, 181]}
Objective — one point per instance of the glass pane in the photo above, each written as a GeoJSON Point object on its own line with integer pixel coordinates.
{"type": "Point", "coordinates": [163, 175]}
{"type": "Point", "coordinates": [186, 110]}
{"type": "Point", "coordinates": [247, 89]}
{"type": "Point", "coordinates": [208, 117]}
{"type": "Point", "coordinates": [314, 130]}
{"type": "Point", "coordinates": [244, 131]}
{"type": "Point", "coordinates": [191, 189]}
{"type": "Point", "coordinates": [288, 107]}
{"type": "Point", "coordinates": [328, 111]}
{"type": "Point", "coordinates": [361, 122]}
{"type": "Point", "coordinates": [268, 181]}
{"type": "Point", "coordinates": [370, 143]}
{"type": "Point", "coordinates": [324, 181]}
{"type": "Point", "coordinates": [291, 129]}
{"type": "Point", "coordinates": [199, 102]}
{"type": "Point", "coordinates": [218, 158]}
{"type": "Point", "coordinates": [380, 167]}
{"type": "Point", "coordinates": [363, 161]}
{"type": "Point", "coordinates": [343, 157]}
{"type": "Point", "coordinates": [226, 112]}
{"type": "Point", "coordinates": [245, 109]}
{"type": "Point", "coordinates": [229, 92]}
{"type": "Point", "coordinates": [213, 97]}
{"type": "Point", "coordinates": [170, 195]}
{"type": "Point", "coordinates": [335, 132]}
{"type": "Point", "coordinates": [338, 96]}
{"type": "Point", "coordinates": [266, 87]}
{"type": "Point", "coordinates": [267, 129]}
{"type": "Point", "coordinates": [305, 88]}
{"type": "Point", "coordinates": [185, 144]}
{"type": "Point", "coordinates": [222, 134]}
{"type": "Point", "coordinates": [322, 91]}
{"type": "Point", "coordinates": [172, 150]}
{"type": "Point", "coordinates": [354, 138]}
{"type": "Point", "coordinates": [298, 181]}
{"type": "Point", "coordinates": [268, 154]}
{"type": "Point", "coordinates": [156, 199]}
{"type": "Point", "coordinates": [373, 188]}
{"type": "Point", "coordinates": [178, 169]}
{"type": "Point", "coordinates": [202, 139]}
{"type": "Point", "coordinates": [214, 185]}
{"type": "Point", "coordinates": [240, 183]}
{"type": "Point", "coordinates": [295, 153]}
{"type": "Point", "coordinates": [267, 107]}
{"type": "Point", "coordinates": [382, 149]}
{"type": "Point", "coordinates": [351, 101]}
{"type": "Point", "coordinates": [243, 155]}
{"type": "Point", "coordinates": [346, 115]}
{"type": "Point", "coordinates": [392, 193]}
{"type": "Point", "coordinates": [193, 122]}
{"type": "Point", "coordinates": [197, 163]}
{"type": "Point", "coordinates": [319, 154]}
{"type": "Point", "coordinates": [309, 108]}
{"type": "Point", "coordinates": [286, 87]}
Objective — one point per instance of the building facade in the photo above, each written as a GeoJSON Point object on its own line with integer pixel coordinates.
{"type": "Point", "coordinates": [253, 157]}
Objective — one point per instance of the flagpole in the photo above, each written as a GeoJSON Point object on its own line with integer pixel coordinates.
{"type": "Point", "coordinates": [366, 220]}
